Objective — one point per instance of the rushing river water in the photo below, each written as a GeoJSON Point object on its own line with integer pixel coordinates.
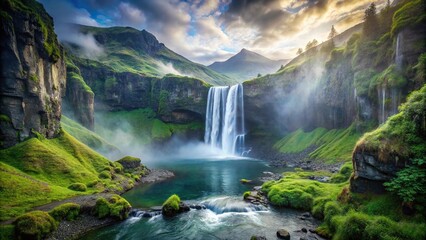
{"type": "Point", "coordinates": [214, 183]}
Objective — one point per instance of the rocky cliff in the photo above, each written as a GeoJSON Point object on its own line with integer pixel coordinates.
{"type": "Point", "coordinates": [380, 154]}
{"type": "Point", "coordinates": [175, 99]}
{"type": "Point", "coordinates": [365, 80]}
{"type": "Point", "coordinates": [79, 97]}
{"type": "Point", "coordinates": [32, 73]}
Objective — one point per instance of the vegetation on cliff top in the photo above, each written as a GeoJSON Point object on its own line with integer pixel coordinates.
{"type": "Point", "coordinates": [36, 10]}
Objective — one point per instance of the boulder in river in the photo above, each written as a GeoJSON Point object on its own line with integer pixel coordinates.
{"type": "Point", "coordinates": [173, 206]}
{"type": "Point", "coordinates": [283, 234]}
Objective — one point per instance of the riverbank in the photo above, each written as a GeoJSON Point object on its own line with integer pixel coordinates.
{"type": "Point", "coordinates": [86, 221]}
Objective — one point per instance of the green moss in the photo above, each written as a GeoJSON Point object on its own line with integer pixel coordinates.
{"type": "Point", "coordinates": [344, 173]}
{"type": "Point", "coordinates": [34, 225]}
{"type": "Point", "coordinates": [105, 175]}
{"type": "Point", "coordinates": [39, 170]}
{"type": "Point", "coordinates": [410, 14]}
{"type": "Point", "coordinates": [34, 78]}
{"type": "Point", "coordinates": [80, 187]}
{"type": "Point", "coordinates": [246, 194]}
{"type": "Point", "coordinates": [5, 118]}
{"type": "Point", "coordinates": [296, 191]}
{"type": "Point", "coordinates": [68, 211]}
{"type": "Point", "coordinates": [7, 232]}
{"type": "Point", "coordinates": [115, 206]}
{"type": "Point", "coordinates": [44, 21]}
{"type": "Point", "coordinates": [171, 205]}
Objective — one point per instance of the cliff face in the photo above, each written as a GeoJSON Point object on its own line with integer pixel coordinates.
{"type": "Point", "coordinates": [364, 80]}
{"type": "Point", "coordinates": [380, 154]}
{"type": "Point", "coordinates": [79, 97]}
{"type": "Point", "coordinates": [32, 73]}
{"type": "Point", "coordinates": [174, 98]}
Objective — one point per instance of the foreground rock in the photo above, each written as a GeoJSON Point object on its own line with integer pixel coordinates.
{"type": "Point", "coordinates": [156, 175]}
{"type": "Point", "coordinates": [283, 234]}
{"type": "Point", "coordinates": [256, 198]}
{"type": "Point", "coordinates": [173, 206]}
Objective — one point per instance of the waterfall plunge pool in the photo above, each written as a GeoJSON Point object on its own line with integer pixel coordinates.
{"type": "Point", "coordinates": [215, 183]}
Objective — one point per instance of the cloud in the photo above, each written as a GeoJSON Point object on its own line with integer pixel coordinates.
{"type": "Point", "coordinates": [128, 15]}
{"type": "Point", "coordinates": [65, 13]}
{"type": "Point", "coordinates": [211, 30]}
{"type": "Point", "coordinates": [167, 68]}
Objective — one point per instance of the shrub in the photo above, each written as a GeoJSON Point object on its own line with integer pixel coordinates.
{"type": "Point", "coordinates": [116, 207]}
{"type": "Point", "coordinates": [34, 225]}
{"type": "Point", "coordinates": [81, 187]}
{"type": "Point", "coordinates": [353, 227]}
{"type": "Point", "coordinates": [68, 211]}
{"type": "Point", "coordinates": [318, 207]}
{"type": "Point", "coordinates": [92, 183]}
{"type": "Point", "coordinates": [101, 209]}
{"type": "Point", "coordinates": [105, 175]}
{"type": "Point", "coordinates": [119, 207]}
{"type": "Point", "coordinates": [331, 209]}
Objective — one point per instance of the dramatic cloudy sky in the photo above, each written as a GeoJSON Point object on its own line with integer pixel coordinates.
{"type": "Point", "coordinates": [211, 30]}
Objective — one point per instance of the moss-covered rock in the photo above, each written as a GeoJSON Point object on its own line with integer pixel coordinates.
{"type": "Point", "coordinates": [68, 211]}
{"type": "Point", "coordinates": [115, 206]}
{"type": "Point", "coordinates": [129, 162]}
{"type": "Point", "coordinates": [173, 206]}
{"type": "Point", "coordinates": [81, 187]}
{"type": "Point", "coordinates": [34, 225]}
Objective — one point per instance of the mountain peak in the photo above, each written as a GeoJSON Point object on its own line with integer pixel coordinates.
{"type": "Point", "coordinates": [247, 64]}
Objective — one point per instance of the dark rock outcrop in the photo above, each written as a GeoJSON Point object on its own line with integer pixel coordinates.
{"type": "Point", "coordinates": [370, 173]}
{"type": "Point", "coordinates": [32, 73]}
{"type": "Point", "coordinates": [79, 98]}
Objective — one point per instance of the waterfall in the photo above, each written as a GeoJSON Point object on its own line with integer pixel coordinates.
{"type": "Point", "coordinates": [225, 119]}
{"type": "Point", "coordinates": [381, 92]}
{"type": "Point", "coordinates": [398, 52]}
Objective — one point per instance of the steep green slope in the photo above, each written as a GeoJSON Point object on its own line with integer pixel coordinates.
{"type": "Point", "coordinates": [129, 50]}
{"type": "Point", "coordinates": [330, 145]}
{"type": "Point", "coordinates": [40, 170]}
{"type": "Point", "coordinates": [88, 137]}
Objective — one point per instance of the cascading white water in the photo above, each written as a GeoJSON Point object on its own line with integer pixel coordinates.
{"type": "Point", "coordinates": [225, 119]}
{"type": "Point", "coordinates": [398, 52]}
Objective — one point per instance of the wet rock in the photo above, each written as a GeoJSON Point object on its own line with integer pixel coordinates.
{"type": "Point", "coordinates": [304, 230]}
{"type": "Point", "coordinates": [283, 234]}
{"type": "Point", "coordinates": [256, 198]}
{"type": "Point", "coordinates": [258, 238]}
{"type": "Point", "coordinates": [306, 214]}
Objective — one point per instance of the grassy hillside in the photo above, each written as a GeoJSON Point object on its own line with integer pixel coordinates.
{"type": "Point", "coordinates": [330, 145]}
{"type": "Point", "coordinates": [129, 50]}
{"type": "Point", "coordinates": [38, 171]}
{"type": "Point", "coordinates": [88, 137]}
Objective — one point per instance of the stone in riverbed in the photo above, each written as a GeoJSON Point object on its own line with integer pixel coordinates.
{"type": "Point", "coordinates": [283, 234]}
{"type": "Point", "coordinates": [254, 237]}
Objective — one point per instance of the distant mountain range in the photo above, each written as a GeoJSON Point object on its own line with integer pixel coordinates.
{"type": "Point", "coordinates": [247, 65]}
{"type": "Point", "coordinates": [126, 49]}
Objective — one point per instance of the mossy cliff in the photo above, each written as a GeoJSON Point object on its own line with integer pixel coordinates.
{"type": "Point", "coordinates": [380, 154]}
{"type": "Point", "coordinates": [174, 98]}
{"type": "Point", "coordinates": [32, 72]}
{"type": "Point", "coordinates": [331, 86]}
{"type": "Point", "coordinates": [79, 98]}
